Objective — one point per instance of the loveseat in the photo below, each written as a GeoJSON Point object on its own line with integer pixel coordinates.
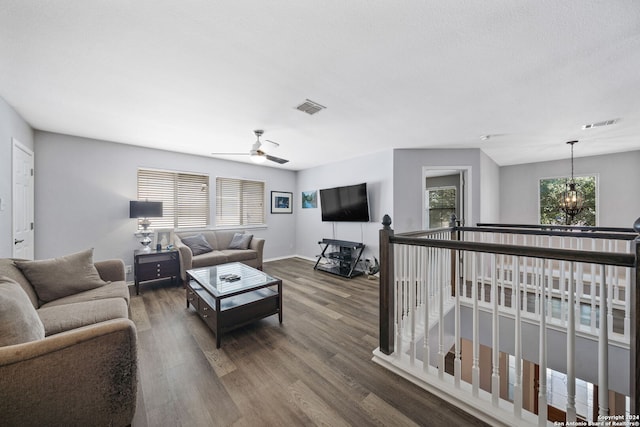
{"type": "Point", "coordinates": [68, 351]}
{"type": "Point", "coordinates": [207, 248]}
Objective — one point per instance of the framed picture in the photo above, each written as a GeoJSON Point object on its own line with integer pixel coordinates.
{"type": "Point", "coordinates": [164, 237]}
{"type": "Point", "coordinates": [281, 202]}
{"type": "Point", "coordinates": [309, 199]}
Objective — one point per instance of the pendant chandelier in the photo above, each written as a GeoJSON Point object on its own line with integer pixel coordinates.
{"type": "Point", "coordinates": [572, 200]}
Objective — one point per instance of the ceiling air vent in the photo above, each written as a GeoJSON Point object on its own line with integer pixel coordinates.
{"type": "Point", "coordinates": [599, 124]}
{"type": "Point", "coordinates": [310, 107]}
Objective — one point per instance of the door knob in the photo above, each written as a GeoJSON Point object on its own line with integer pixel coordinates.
{"type": "Point", "coordinates": [16, 241]}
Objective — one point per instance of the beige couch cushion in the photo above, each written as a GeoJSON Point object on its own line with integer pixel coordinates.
{"type": "Point", "coordinates": [239, 255]}
{"type": "Point", "coordinates": [59, 277]}
{"type": "Point", "coordinates": [9, 269]}
{"type": "Point", "coordinates": [209, 259]}
{"type": "Point", "coordinates": [60, 318]}
{"type": "Point", "coordinates": [111, 290]}
{"type": "Point", "coordinates": [19, 322]}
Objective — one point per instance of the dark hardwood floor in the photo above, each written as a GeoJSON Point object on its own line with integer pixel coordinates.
{"type": "Point", "coordinates": [314, 369]}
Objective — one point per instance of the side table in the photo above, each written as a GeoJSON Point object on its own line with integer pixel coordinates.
{"type": "Point", "coordinates": [155, 265]}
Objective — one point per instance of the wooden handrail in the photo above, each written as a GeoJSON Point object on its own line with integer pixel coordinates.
{"type": "Point", "coordinates": [560, 227]}
{"type": "Point", "coordinates": [590, 235]}
{"type": "Point", "coordinates": [608, 258]}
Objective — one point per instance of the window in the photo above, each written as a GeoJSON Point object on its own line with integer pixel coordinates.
{"type": "Point", "coordinates": [239, 202]}
{"type": "Point", "coordinates": [551, 191]}
{"type": "Point", "coordinates": [441, 205]}
{"type": "Point", "coordinates": [184, 197]}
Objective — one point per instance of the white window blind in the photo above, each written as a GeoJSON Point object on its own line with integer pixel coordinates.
{"type": "Point", "coordinates": [184, 197]}
{"type": "Point", "coordinates": [239, 202]}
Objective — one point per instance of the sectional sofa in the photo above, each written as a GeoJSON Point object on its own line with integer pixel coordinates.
{"type": "Point", "coordinates": [68, 351]}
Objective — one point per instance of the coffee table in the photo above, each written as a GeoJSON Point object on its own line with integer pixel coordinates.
{"type": "Point", "coordinates": [228, 296]}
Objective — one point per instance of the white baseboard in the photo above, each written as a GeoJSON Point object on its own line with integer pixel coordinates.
{"type": "Point", "coordinates": [288, 257]}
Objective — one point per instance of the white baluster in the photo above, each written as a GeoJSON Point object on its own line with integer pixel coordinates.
{"type": "Point", "coordinates": [495, 350]}
{"type": "Point", "coordinates": [542, 391]}
{"type": "Point", "coordinates": [593, 287]}
{"type": "Point", "coordinates": [475, 367]}
{"type": "Point", "coordinates": [550, 282]}
{"type": "Point", "coordinates": [610, 281]}
{"type": "Point", "coordinates": [399, 279]}
{"type": "Point", "coordinates": [563, 304]}
{"type": "Point", "coordinates": [457, 364]}
{"type": "Point", "coordinates": [425, 348]}
{"type": "Point", "coordinates": [571, 349]}
{"type": "Point", "coordinates": [517, 341]}
{"type": "Point", "coordinates": [441, 276]}
{"type": "Point", "coordinates": [627, 296]}
{"type": "Point", "coordinates": [603, 350]}
{"type": "Point", "coordinates": [412, 304]}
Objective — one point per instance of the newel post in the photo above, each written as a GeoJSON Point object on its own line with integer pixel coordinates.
{"type": "Point", "coordinates": [634, 347]}
{"type": "Point", "coordinates": [387, 300]}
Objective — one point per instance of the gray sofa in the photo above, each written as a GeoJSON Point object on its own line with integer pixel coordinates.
{"type": "Point", "coordinates": [219, 253]}
{"type": "Point", "coordinates": [73, 361]}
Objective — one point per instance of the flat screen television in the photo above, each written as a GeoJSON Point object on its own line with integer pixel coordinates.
{"type": "Point", "coordinates": [348, 203]}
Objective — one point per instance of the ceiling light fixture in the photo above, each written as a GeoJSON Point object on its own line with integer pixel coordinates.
{"type": "Point", "coordinates": [572, 200]}
{"type": "Point", "coordinates": [257, 157]}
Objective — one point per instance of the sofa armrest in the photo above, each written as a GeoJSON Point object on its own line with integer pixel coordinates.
{"type": "Point", "coordinates": [186, 257]}
{"type": "Point", "coordinates": [111, 270]}
{"type": "Point", "coordinates": [87, 376]}
{"type": "Point", "coordinates": [257, 244]}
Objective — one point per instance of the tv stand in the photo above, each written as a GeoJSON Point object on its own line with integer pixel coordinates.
{"type": "Point", "coordinates": [342, 258]}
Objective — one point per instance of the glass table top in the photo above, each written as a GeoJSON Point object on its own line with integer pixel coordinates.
{"type": "Point", "coordinates": [232, 278]}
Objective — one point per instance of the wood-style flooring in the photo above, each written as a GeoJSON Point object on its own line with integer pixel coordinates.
{"type": "Point", "coordinates": [314, 369]}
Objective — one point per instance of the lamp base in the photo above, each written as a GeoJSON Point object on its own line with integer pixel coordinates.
{"type": "Point", "coordinates": [146, 240]}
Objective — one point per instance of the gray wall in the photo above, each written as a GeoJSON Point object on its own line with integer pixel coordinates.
{"type": "Point", "coordinates": [11, 126]}
{"type": "Point", "coordinates": [374, 169]}
{"type": "Point", "coordinates": [618, 177]}
{"type": "Point", "coordinates": [489, 189]}
{"type": "Point", "coordinates": [407, 183]}
{"type": "Point", "coordinates": [83, 188]}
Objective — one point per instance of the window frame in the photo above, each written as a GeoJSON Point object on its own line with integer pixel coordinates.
{"type": "Point", "coordinates": [173, 199]}
{"type": "Point", "coordinates": [596, 208]}
{"type": "Point", "coordinates": [241, 225]}
{"type": "Point", "coordinates": [427, 200]}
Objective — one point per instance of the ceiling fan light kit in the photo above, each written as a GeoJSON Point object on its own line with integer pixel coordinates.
{"type": "Point", "coordinates": [256, 155]}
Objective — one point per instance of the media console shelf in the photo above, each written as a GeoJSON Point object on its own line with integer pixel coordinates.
{"type": "Point", "coordinates": [342, 257]}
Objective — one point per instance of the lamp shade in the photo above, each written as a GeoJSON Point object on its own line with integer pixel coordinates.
{"type": "Point", "coordinates": [145, 209]}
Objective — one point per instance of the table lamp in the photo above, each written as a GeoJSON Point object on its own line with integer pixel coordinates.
{"type": "Point", "coordinates": [145, 210]}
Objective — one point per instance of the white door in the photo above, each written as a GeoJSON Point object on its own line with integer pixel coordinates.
{"type": "Point", "coordinates": [23, 233]}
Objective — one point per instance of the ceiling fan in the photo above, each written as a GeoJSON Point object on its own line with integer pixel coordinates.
{"type": "Point", "coordinates": [257, 155]}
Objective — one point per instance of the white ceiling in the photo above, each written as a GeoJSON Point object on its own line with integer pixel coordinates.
{"type": "Point", "coordinates": [200, 76]}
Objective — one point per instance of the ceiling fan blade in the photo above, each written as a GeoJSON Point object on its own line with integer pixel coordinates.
{"type": "Point", "coordinates": [276, 159]}
{"type": "Point", "coordinates": [230, 154]}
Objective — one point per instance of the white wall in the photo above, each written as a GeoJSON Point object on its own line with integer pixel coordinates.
{"type": "Point", "coordinates": [407, 183]}
{"type": "Point", "coordinates": [11, 126]}
{"type": "Point", "coordinates": [374, 169]}
{"type": "Point", "coordinates": [618, 177]}
{"type": "Point", "coordinates": [83, 189]}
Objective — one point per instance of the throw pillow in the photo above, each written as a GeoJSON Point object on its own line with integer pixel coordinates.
{"type": "Point", "coordinates": [19, 321]}
{"type": "Point", "coordinates": [60, 277]}
{"type": "Point", "coordinates": [240, 241]}
{"type": "Point", "coordinates": [198, 244]}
